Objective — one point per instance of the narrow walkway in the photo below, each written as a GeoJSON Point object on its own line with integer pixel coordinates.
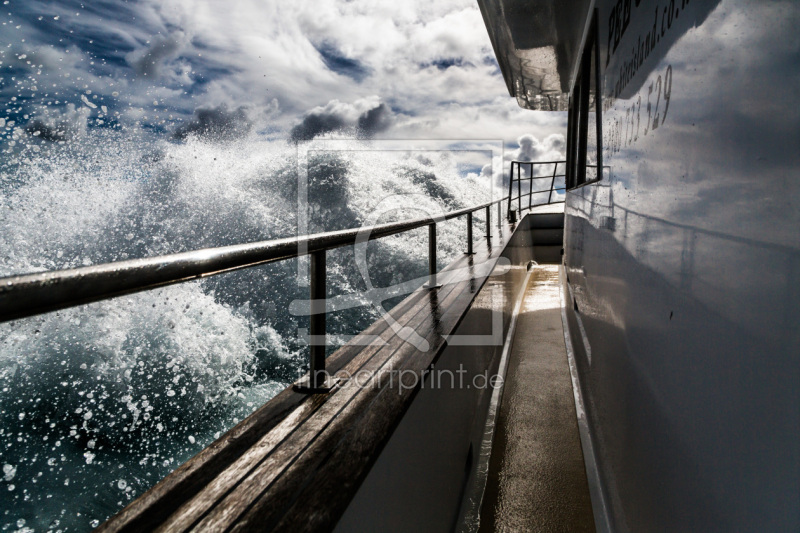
{"type": "Point", "coordinates": [537, 480]}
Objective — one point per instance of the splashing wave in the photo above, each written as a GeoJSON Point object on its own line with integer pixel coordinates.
{"type": "Point", "coordinates": [100, 402]}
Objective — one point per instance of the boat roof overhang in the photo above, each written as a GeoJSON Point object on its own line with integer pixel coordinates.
{"type": "Point", "coordinates": [537, 44]}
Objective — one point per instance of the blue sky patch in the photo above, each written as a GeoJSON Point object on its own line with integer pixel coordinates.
{"type": "Point", "coordinates": [339, 63]}
{"type": "Point", "coordinates": [447, 62]}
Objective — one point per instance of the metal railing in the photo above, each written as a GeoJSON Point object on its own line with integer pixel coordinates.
{"type": "Point", "coordinates": [32, 294]}
{"type": "Point", "coordinates": [519, 178]}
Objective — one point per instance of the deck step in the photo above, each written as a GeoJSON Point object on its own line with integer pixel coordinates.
{"type": "Point", "coordinates": [546, 220]}
{"type": "Point", "coordinates": [547, 234]}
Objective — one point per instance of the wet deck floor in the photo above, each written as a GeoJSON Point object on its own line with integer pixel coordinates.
{"type": "Point", "coordinates": [537, 479]}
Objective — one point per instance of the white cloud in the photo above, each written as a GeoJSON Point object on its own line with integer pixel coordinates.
{"type": "Point", "coordinates": [429, 63]}
{"type": "Point", "coordinates": [147, 62]}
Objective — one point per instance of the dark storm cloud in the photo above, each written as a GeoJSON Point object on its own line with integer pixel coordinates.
{"type": "Point", "coordinates": [374, 121]}
{"type": "Point", "coordinates": [317, 124]}
{"type": "Point", "coordinates": [216, 123]}
{"type": "Point", "coordinates": [364, 117]}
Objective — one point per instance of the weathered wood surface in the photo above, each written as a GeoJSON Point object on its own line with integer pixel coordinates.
{"type": "Point", "coordinates": [295, 463]}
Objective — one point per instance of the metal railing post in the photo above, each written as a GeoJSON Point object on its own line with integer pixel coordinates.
{"type": "Point", "coordinates": [530, 189]}
{"type": "Point", "coordinates": [432, 257]}
{"type": "Point", "coordinates": [317, 319]}
{"type": "Point", "coordinates": [510, 189]}
{"type": "Point", "coordinates": [552, 184]}
{"type": "Point", "coordinates": [469, 234]}
{"type": "Point", "coordinates": [488, 221]}
{"type": "Point", "coordinates": [519, 187]}
{"type": "Point", "coordinates": [317, 376]}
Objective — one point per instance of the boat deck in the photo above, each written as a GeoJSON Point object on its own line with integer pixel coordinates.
{"type": "Point", "coordinates": [296, 463]}
{"type": "Point", "coordinates": [312, 462]}
{"type": "Point", "coordinates": [537, 479]}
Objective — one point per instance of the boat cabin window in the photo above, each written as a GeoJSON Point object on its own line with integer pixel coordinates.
{"type": "Point", "coordinates": [584, 157]}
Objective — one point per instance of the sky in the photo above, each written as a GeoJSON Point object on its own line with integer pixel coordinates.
{"type": "Point", "coordinates": [293, 70]}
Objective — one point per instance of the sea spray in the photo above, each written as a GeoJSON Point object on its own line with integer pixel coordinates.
{"type": "Point", "coordinates": [101, 401]}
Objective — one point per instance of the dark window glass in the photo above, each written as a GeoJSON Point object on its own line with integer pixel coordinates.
{"type": "Point", "coordinates": [590, 85]}
{"type": "Point", "coordinates": [572, 145]}
{"type": "Point", "coordinates": [584, 159]}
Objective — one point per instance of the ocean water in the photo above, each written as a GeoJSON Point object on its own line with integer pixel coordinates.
{"type": "Point", "coordinates": [100, 402]}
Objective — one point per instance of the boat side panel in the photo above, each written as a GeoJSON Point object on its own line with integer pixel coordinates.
{"type": "Point", "coordinates": [684, 266]}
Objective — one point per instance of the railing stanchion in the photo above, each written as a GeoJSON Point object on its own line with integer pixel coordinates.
{"type": "Point", "coordinates": [469, 234]}
{"type": "Point", "coordinates": [530, 190]}
{"type": "Point", "coordinates": [317, 326]}
{"type": "Point", "coordinates": [519, 187]}
{"type": "Point", "coordinates": [317, 376]}
{"type": "Point", "coordinates": [432, 282]}
{"type": "Point", "coordinates": [552, 183]}
{"type": "Point", "coordinates": [488, 221]}
{"type": "Point", "coordinates": [510, 189]}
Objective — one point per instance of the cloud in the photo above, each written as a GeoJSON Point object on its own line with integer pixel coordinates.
{"type": "Point", "coordinates": [153, 63]}
{"type": "Point", "coordinates": [551, 148]}
{"type": "Point", "coordinates": [147, 62]}
{"type": "Point", "coordinates": [338, 62]}
{"type": "Point", "coordinates": [364, 117]}
{"type": "Point", "coordinates": [216, 123]}
{"type": "Point", "coordinates": [375, 120]}
{"type": "Point", "coordinates": [315, 124]}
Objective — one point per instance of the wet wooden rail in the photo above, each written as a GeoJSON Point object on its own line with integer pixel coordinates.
{"type": "Point", "coordinates": [295, 464]}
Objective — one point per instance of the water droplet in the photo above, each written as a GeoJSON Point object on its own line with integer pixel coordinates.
{"type": "Point", "coordinates": [87, 102]}
{"type": "Point", "coordinates": [9, 471]}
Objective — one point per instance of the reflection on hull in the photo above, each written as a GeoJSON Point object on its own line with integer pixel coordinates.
{"type": "Point", "coordinates": [678, 392]}
{"type": "Point", "coordinates": [684, 268]}
{"type": "Point", "coordinates": [683, 261]}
